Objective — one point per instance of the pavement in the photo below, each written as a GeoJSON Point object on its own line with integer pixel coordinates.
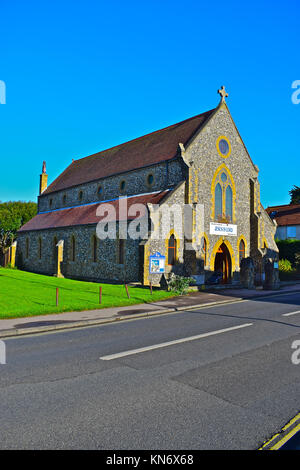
{"type": "Point", "coordinates": [43, 323]}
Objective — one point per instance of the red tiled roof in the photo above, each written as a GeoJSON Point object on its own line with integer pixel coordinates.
{"type": "Point", "coordinates": [288, 214]}
{"type": "Point", "coordinates": [87, 214]}
{"type": "Point", "coordinates": [143, 151]}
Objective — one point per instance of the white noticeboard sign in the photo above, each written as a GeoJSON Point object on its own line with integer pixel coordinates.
{"type": "Point", "coordinates": [223, 229]}
{"type": "Point", "coordinates": [157, 263]}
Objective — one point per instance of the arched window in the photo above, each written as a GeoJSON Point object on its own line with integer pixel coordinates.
{"type": "Point", "coordinates": [40, 248]}
{"type": "Point", "coordinates": [204, 248]}
{"type": "Point", "coordinates": [229, 203]}
{"type": "Point", "coordinates": [223, 195]}
{"type": "Point", "coordinates": [218, 201]}
{"type": "Point", "coordinates": [121, 253]}
{"type": "Point", "coordinates": [242, 250]}
{"type": "Point", "coordinates": [94, 248]}
{"type": "Point", "coordinates": [172, 245]}
{"type": "Point", "coordinates": [73, 248]}
{"type": "Point", "coordinates": [27, 247]}
{"type": "Point", "coordinates": [122, 186]}
{"type": "Point", "coordinates": [150, 179]}
{"type": "Point", "coordinates": [100, 190]}
{"type": "Point", "coordinates": [54, 247]}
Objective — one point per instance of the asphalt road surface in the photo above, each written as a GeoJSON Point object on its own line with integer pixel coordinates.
{"type": "Point", "coordinates": [219, 377]}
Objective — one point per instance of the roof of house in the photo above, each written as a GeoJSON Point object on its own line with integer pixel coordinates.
{"type": "Point", "coordinates": [87, 214]}
{"type": "Point", "coordinates": [152, 148]}
{"type": "Point", "coordinates": [288, 214]}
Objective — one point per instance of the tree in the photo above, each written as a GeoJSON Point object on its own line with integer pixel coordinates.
{"type": "Point", "coordinates": [13, 215]}
{"type": "Point", "coordinates": [295, 195]}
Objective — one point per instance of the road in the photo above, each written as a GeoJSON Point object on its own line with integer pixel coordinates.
{"type": "Point", "coordinates": [219, 377]}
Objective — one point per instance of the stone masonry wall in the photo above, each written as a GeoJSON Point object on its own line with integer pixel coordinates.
{"type": "Point", "coordinates": [165, 174]}
{"type": "Point", "coordinates": [106, 268]}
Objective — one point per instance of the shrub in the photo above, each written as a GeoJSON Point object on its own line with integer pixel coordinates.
{"type": "Point", "coordinates": [179, 284]}
{"type": "Point", "coordinates": [297, 260]}
{"type": "Point", "coordinates": [288, 250]}
{"type": "Point", "coordinates": [285, 265]}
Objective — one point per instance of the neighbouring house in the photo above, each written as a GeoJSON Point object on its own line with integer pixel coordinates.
{"type": "Point", "coordinates": [287, 218]}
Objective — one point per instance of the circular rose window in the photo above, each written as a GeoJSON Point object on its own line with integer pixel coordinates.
{"type": "Point", "coordinates": [223, 146]}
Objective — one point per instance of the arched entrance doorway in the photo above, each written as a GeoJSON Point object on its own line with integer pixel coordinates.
{"type": "Point", "coordinates": [223, 262]}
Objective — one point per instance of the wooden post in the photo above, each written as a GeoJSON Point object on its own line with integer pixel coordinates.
{"type": "Point", "coordinates": [100, 295]}
{"type": "Point", "coordinates": [57, 298]}
{"type": "Point", "coordinates": [126, 287]}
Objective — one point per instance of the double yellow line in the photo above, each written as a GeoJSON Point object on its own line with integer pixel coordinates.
{"type": "Point", "coordinates": [285, 438]}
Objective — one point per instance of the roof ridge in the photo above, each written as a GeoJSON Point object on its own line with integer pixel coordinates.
{"type": "Point", "coordinates": [283, 205]}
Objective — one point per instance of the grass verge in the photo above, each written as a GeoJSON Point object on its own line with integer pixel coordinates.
{"type": "Point", "coordinates": [24, 294]}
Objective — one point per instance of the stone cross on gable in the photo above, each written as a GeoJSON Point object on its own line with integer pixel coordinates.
{"type": "Point", "coordinates": [222, 92]}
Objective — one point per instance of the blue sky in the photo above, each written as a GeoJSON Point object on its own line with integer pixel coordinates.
{"type": "Point", "coordinates": [84, 76]}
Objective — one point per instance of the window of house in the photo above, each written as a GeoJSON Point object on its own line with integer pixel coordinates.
{"type": "Point", "coordinates": [218, 201]}
{"type": "Point", "coordinates": [122, 186]}
{"type": "Point", "coordinates": [100, 190]}
{"type": "Point", "coordinates": [223, 197]}
{"type": "Point", "coordinates": [204, 248]}
{"type": "Point", "coordinates": [40, 248]}
{"type": "Point", "coordinates": [150, 179]}
{"type": "Point", "coordinates": [172, 250]}
{"type": "Point", "coordinates": [73, 248]}
{"type": "Point", "coordinates": [291, 232]}
{"type": "Point", "coordinates": [228, 202]}
{"type": "Point", "coordinates": [121, 251]}
{"type": "Point", "coordinates": [94, 248]}
{"type": "Point", "coordinates": [242, 250]}
{"type": "Point", "coordinates": [223, 146]}
{"type": "Point", "coordinates": [54, 247]}
{"type": "Point", "coordinates": [27, 248]}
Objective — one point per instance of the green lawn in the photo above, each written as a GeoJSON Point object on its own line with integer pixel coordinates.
{"type": "Point", "coordinates": [25, 294]}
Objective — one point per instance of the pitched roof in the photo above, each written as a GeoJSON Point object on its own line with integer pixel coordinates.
{"type": "Point", "coordinates": [152, 148]}
{"type": "Point", "coordinates": [87, 214]}
{"type": "Point", "coordinates": [288, 214]}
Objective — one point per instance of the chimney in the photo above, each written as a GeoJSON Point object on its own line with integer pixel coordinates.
{"type": "Point", "coordinates": [43, 179]}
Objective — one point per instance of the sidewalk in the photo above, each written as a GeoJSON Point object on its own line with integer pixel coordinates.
{"type": "Point", "coordinates": [42, 323]}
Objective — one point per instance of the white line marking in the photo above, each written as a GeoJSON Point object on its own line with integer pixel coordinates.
{"type": "Point", "coordinates": [291, 313]}
{"type": "Point", "coordinates": [170, 343]}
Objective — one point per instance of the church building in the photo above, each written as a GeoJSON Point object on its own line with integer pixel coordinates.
{"type": "Point", "coordinates": [201, 162]}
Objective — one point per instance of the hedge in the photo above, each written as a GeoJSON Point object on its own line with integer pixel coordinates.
{"type": "Point", "coordinates": [288, 249]}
